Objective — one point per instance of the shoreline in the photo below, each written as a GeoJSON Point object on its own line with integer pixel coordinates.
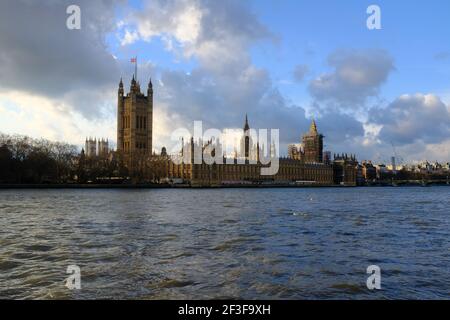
{"type": "Point", "coordinates": [186, 186]}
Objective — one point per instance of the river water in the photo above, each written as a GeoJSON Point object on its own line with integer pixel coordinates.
{"type": "Point", "coordinates": [226, 243]}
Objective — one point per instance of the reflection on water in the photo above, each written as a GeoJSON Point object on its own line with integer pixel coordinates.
{"type": "Point", "coordinates": [236, 243]}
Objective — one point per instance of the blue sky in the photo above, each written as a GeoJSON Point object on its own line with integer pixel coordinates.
{"type": "Point", "coordinates": [217, 60]}
{"type": "Point", "coordinates": [412, 31]}
{"type": "Point", "coordinates": [415, 33]}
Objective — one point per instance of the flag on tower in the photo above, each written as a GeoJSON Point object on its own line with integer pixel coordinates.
{"type": "Point", "coordinates": [134, 60]}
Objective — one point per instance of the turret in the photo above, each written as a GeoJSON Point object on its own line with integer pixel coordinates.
{"type": "Point", "coordinates": [134, 86]}
{"type": "Point", "coordinates": [313, 128]}
{"type": "Point", "coordinates": [121, 88]}
{"type": "Point", "coordinates": [246, 126]}
{"type": "Point", "coordinates": [257, 152]}
{"type": "Point", "coordinates": [120, 116]}
{"type": "Point", "coordinates": [150, 89]}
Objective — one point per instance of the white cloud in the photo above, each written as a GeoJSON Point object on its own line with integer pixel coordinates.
{"type": "Point", "coordinates": [218, 33]}
{"type": "Point", "coordinates": [42, 117]}
{"type": "Point", "coordinates": [357, 75]}
{"type": "Point", "coordinates": [413, 118]}
{"type": "Point", "coordinates": [129, 37]}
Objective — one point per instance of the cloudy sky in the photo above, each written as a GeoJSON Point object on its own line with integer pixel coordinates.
{"type": "Point", "coordinates": [281, 62]}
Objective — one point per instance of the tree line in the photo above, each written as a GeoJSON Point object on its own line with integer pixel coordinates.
{"type": "Point", "coordinates": [25, 160]}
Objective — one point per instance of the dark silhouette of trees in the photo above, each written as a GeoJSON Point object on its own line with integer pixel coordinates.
{"type": "Point", "coordinates": [27, 160]}
{"type": "Point", "coordinates": [24, 160]}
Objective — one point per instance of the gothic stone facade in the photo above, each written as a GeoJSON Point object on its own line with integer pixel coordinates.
{"type": "Point", "coordinates": [134, 144]}
{"type": "Point", "coordinates": [245, 172]}
{"type": "Point", "coordinates": [134, 124]}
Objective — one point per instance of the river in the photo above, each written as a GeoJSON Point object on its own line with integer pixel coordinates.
{"type": "Point", "coordinates": [305, 243]}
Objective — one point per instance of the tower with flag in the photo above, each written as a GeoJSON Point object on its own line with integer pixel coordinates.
{"type": "Point", "coordinates": [134, 60]}
{"type": "Point", "coordinates": [134, 122]}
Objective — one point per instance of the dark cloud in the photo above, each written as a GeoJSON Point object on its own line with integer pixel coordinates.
{"type": "Point", "coordinates": [39, 55]}
{"type": "Point", "coordinates": [225, 85]}
{"type": "Point", "coordinates": [413, 118]}
{"type": "Point", "coordinates": [223, 102]}
{"type": "Point", "coordinates": [357, 75]}
{"type": "Point", "coordinates": [339, 127]}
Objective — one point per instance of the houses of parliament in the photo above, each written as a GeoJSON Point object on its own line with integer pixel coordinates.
{"type": "Point", "coordinates": [306, 164]}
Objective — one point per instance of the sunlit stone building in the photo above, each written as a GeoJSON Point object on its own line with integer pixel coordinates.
{"type": "Point", "coordinates": [244, 171]}
{"type": "Point", "coordinates": [305, 164]}
{"type": "Point", "coordinates": [134, 124]}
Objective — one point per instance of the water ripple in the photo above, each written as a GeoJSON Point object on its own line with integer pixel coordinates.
{"type": "Point", "coordinates": [234, 243]}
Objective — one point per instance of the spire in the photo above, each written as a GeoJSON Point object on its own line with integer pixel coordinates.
{"type": "Point", "coordinates": [120, 87]}
{"type": "Point", "coordinates": [150, 88]}
{"type": "Point", "coordinates": [313, 128]}
{"type": "Point", "coordinates": [134, 88]}
{"type": "Point", "coordinates": [246, 126]}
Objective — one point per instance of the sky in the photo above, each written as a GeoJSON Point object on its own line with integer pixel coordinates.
{"type": "Point", "coordinates": [374, 93]}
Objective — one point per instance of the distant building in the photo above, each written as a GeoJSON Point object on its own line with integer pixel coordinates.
{"type": "Point", "coordinates": [249, 151]}
{"type": "Point", "coordinates": [304, 166]}
{"type": "Point", "coordinates": [394, 167]}
{"type": "Point", "coordinates": [134, 124]}
{"type": "Point", "coordinates": [294, 152]}
{"type": "Point", "coordinates": [369, 172]}
{"type": "Point", "coordinates": [345, 169]}
{"type": "Point", "coordinates": [232, 171]}
{"type": "Point", "coordinates": [382, 171]}
{"type": "Point", "coordinates": [96, 148]}
{"type": "Point", "coordinates": [327, 157]}
{"type": "Point", "coordinates": [103, 148]}
{"type": "Point", "coordinates": [360, 181]}
{"type": "Point", "coordinates": [90, 147]}
{"type": "Point", "coordinates": [313, 145]}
